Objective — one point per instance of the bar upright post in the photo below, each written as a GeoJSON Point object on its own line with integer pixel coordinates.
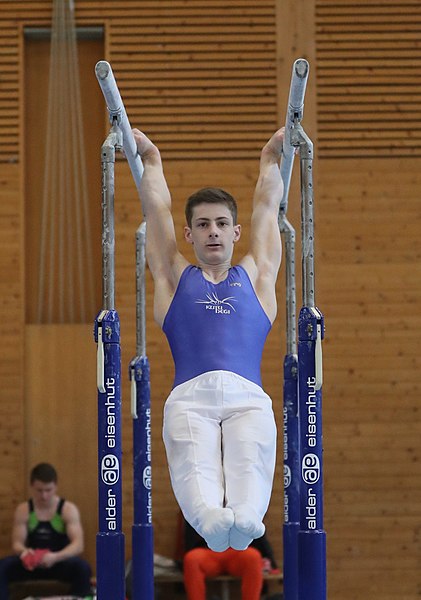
{"type": "Point", "coordinates": [110, 538]}
{"type": "Point", "coordinates": [142, 529]}
{"type": "Point", "coordinates": [295, 109]}
{"type": "Point", "coordinates": [312, 537]}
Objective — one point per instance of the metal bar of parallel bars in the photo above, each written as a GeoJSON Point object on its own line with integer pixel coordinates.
{"type": "Point", "coordinates": [294, 114]}
{"type": "Point", "coordinates": [291, 525]}
{"type": "Point", "coordinates": [290, 423]}
{"type": "Point", "coordinates": [142, 530]}
{"type": "Point", "coordinates": [311, 537]}
{"type": "Point", "coordinates": [110, 538]}
{"type": "Point", "coordinates": [305, 549]}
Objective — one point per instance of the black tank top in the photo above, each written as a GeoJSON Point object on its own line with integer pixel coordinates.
{"type": "Point", "coordinates": [47, 534]}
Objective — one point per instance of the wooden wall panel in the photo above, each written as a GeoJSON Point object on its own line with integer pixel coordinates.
{"type": "Point", "coordinates": [9, 91]}
{"type": "Point", "coordinates": [66, 260]}
{"type": "Point", "coordinates": [12, 446]}
{"type": "Point", "coordinates": [369, 280]}
{"type": "Point", "coordinates": [200, 77]}
{"type": "Point", "coordinates": [367, 243]}
{"type": "Point", "coordinates": [60, 411]}
{"type": "Point", "coordinates": [368, 66]}
{"type": "Point", "coordinates": [295, 26]}
{"type": "Point", "coordinates": [254, 102]}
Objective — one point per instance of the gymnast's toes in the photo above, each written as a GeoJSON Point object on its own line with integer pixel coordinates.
{"type": "Point", "coordinates": [216, 526]}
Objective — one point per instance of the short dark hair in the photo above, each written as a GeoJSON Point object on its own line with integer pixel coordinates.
{"type": "Point", "coordinates": [210, 195]}
{"type": "Point", "coordinates": [44, 472]}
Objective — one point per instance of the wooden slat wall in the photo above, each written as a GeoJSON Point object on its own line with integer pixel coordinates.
{"type": "Point", "coordinates": [60, 302]}
{"type": "Point", "coordinates": [367, 243]}
{"type": "Point", "coordinates": [238, 109]}
{"type": "Point", "coordinates": [60, 412]}
{"type": "Point", "coordinates": [200, 77]}
{"type": "Point", "coordinates": [369, 223]}
{"type": "Point", "coordinates": [11, 362]}
{"type": "Point", "coordinates": [205, 73]}
{"type": "Point", "coordinates": [368, 71]}
{"type": "Point", "coordinates": [9, 91]}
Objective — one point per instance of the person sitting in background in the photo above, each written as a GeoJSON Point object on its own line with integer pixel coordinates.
{"type": "Point", "coordinates": [47, 538]}
{"type": "Point", "coordinates": [200, 562]}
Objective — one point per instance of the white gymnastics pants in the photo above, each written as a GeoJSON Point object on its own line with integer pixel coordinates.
{"type": "Point", "coordinates": [220, 438]}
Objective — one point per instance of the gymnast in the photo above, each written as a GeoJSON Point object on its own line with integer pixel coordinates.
{"type": "Point", "coordinates": [219, 428]}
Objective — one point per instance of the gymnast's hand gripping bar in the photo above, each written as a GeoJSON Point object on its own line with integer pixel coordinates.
{"type": "Point", "coordinates": [294, 115]}
{"type": "Point", "coordinates": [117, 113]}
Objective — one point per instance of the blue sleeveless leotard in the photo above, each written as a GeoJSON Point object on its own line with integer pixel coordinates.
{"type": "Point", "coordinates": [213, 327]}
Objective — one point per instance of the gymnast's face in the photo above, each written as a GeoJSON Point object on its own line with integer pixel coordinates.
{"type": "Point", "coordinates": [212, 233]}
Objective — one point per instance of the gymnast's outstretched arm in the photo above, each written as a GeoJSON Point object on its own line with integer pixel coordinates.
{"type": "Point", "coordinates": [165, 261]}
{"type": "Point", "coordinates": [263, 259]}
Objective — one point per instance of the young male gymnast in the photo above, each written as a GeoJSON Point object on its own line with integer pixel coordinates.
{"type": "Point", "coordinates": [219, 429]}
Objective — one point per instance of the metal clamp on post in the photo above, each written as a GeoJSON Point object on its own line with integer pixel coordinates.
{"type": "Point", "coordinates": [138, 370]}
{"type": "Point", "coordinates": [100, 377]}
{"type": "Point", "coordinates": [133, 389]}
{"type": "Point", "coordinates": [318, 354]}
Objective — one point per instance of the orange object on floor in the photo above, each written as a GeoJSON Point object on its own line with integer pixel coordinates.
{"type": "Point", "coordinates": [200, 563]}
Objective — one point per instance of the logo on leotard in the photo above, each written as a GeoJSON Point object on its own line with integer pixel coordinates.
{"type": "Point", "coordinates": [219, 306]}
